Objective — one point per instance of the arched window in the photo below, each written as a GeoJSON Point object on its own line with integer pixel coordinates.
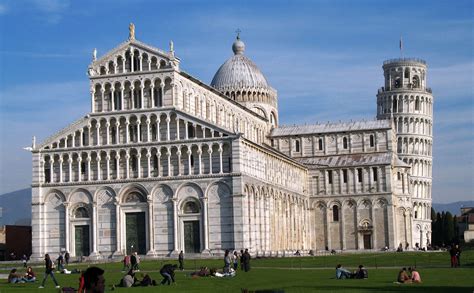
{"type": "Point", "coordinates": [398, 82]}
{"type": "Point", "coordinates": [372, 141]}
{"type": "Point", "coordinates": [320, 144]}
{"type": "Point", "coordinates": [190, 130]}
{"type": "Point", "coordinates": [191, 207]}
{"type": "Point", "coordinates": [344, 142]}
{"type": "Point", "coordinates": [407, 72]}
{"type": "Point", "coordinates": [417, 104]}
{"type": "Point", "coordinates": [335, 213]}
{"type": "Point", "coordinates": [297, 145]}
{"type": "Point", "coordinates": [416, 214]}
{"type": "Point", "coordinates": [81, 213]}
{"type": "Point", "coordinates": [394, 106]}
{"type": "Point", "coordinates": [416, 82]}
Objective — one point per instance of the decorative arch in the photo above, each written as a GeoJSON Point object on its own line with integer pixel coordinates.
{"type": "Point", "coordinates": [162, 193]}
{"type": "Point", "coordinates": [188, 189]}
{"type": "Point", "coordinates": [139, 193]}
{"type": "Point", "coordinates": [80, 195]}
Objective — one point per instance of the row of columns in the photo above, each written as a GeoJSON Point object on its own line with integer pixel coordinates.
{"type": "Point", "coordinates": [95, 137]}
{"type": "Point", "coordinates": [352, 185]}
{"type": "Point", "coordinates": [121, 90]}
{"type": "Point", "coordinates": [107, 176]}
{"type": "Point", "coordinates": [405, 105]}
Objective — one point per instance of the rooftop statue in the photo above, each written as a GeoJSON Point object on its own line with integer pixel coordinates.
{"type": "Point", "coordinates": [131, 28]}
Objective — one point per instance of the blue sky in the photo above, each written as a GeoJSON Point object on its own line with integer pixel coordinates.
{"type": "Point", "coordinates": [323, 57]}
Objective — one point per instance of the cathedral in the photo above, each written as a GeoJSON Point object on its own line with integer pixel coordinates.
{"type": "Point", "coordinates": [164, 162]}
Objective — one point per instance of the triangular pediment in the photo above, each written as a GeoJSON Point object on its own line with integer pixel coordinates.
{"type": "Point", "coordinates": [113, 61]}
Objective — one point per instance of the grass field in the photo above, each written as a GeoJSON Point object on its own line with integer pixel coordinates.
{"type": "Point", "coordinates": [296, 274]}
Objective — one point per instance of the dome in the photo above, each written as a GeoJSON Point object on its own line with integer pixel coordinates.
{"type": "Point", "coordinates": [239, 72]}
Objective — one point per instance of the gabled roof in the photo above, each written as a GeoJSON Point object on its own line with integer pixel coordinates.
{"type": "Point", "coordinates": [133, 43]}
{"type": "Point", "coordinates": [331, 127]}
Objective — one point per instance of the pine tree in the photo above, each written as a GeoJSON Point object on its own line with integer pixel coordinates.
{"type": "Point", "coordinates": [456, 230]}
{"type": "Point", "coordinates": [449, 226]}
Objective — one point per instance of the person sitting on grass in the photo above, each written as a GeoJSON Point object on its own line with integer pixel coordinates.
{"type": "Point", "coordinates": [342, 273]}
{"type": "Point", "coordinates": [147, 281]}
{"type": "Point", "coordinates": [94, 281]}
{"type": "Point", "coordinates": [361, 273]}
{"type": "Point", "coordinates": [128, 280]}
{"type": "Point", "coordinates": [403, 277]}
{"type": "Point", "coordinates": [14, 277]}
{"type": "Point", "coordinates": [415, 275]}
{"type": "Point", "coordinates": [167, 271]}
{"type": "Point", "coordinates": [30, 276]}
{"type": "Point", "coordinates": [203, 272]}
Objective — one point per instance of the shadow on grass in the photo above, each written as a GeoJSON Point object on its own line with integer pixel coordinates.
{"type": "Point", "coordinates": [388, 288]}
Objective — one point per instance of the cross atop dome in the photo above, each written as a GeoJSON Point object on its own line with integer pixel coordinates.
{"type": "Point", "coordinates": [238, 46]}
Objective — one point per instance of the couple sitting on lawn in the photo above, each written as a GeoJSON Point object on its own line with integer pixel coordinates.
{"type": "Point", "coordinates": [360, 273]}
{"type": "Point", "coordinates": [404, 278]}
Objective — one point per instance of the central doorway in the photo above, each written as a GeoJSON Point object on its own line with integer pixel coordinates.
{"type": "Point", "coordinates": [135, 232]}
{"type": "Point", "coordinates": [81, 240]}
{"type": "Point", "coordinates": [191, 237]}
{"type": "Point", "coordinates": [367, 241]}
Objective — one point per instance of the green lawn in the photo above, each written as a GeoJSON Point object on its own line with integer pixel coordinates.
{"type": "Point", "coordinates": [301, 274]}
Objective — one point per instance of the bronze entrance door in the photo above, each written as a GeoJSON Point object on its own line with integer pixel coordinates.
{"type": "Point", "coordinates": [367, 241]}
{"type": "Point", "coordinates": [135, 231]}
{"type": "Point", "coordinates": [81, 240]}
{"type": "Point", "coordinates": [191, 237]}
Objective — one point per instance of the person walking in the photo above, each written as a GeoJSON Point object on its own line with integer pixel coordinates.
{"type": "Point", "coordinates": [60, 261]}
{"type": "Point", "coordinates": [246, 260]}
{"type": "Point", "coordinates": [454, 259]}
{"type": "Point", "coordinates": [181, 260]}
{"type": "Point", "coordinates": [133, 261]}
{"type": "Point", "coordinates": [458, 255]}
{"type": "Point", "coordinates": [242, 259]}
{"type": "Point", "coordinates": [24, 259]}
{"type": "Point", "coordinates": [227, 261]}
{"type": "Point", "coordinates": [49, 271]}
{"type": "Point", "coordinates": [236, 260]}
{"type": "Point", "coordinates": [66, 257]}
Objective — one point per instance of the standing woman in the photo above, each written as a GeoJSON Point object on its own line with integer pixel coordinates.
{"type": "Point", "coordinates": [49, 270]}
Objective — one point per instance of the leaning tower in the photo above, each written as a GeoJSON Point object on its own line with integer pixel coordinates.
{"type": "Point", "coordinates": [408, 101]}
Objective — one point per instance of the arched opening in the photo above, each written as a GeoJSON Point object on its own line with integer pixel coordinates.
{"type": "Point", "coordinates": [190, 221]}
{"type": "Point", "coordinates": [344, 143]}
{"type": "Point", "coordinates": [297, 146]}
{"type": "Point", "coordinates": [335, 213]}
{"type": "Point", "coordinates": [372, 141]}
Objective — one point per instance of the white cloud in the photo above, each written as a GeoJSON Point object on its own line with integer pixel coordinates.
{"type": "Point", "coordinates": [3, 9]}
{"type": "Point", "coordinates": [53, 10]}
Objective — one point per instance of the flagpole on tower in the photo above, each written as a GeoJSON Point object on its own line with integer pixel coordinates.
{"type": "Point", "coordinates": [401, 46]}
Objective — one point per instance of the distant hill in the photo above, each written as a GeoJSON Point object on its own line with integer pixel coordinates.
{"type": "Point", "coordinates": [453, 207]}
{"type": "Point", "coordinates": [16, 207]}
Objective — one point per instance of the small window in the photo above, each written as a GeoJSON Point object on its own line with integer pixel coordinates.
{"type": "Point", "coordinates": [399, 176]}
{"type": "Point", "coordinates": [134, 163]}
{"type": "Point", "coordinates": [344, 175]}
{"type": "Point", "coordinates": [394, 106]}
{"type": "Point", "coordinates": [192, 160]}
{"type": "Point", "coordinates": [47, 175]}
{"type": "Point", "coordinates": [330, 177]}
{"type": "Point", "coordinates": [297, 146]}
{"type": "Point", "coordinates": [191, 131]}
{"type": "Point", "coordinates": [272, 143]}
{"type": "Point", "coordinates": [344, 143]}
{"type": "Point", "coordinates": [359, 175]}
{"type": "Point", "coordinates": [372, 141]}
{"type": "Point", "coordinates": [416, 214]}
{"type": "Point", "coordinates": [335, 213]}
{"type": "Point", "coordinates": [417, 105]}
{"type": "Point", "coordinates": [81, 213]}
{"type": "Point", "coordinates": [191, 207]}
{"type": "Point", "coordinates": [374, 171]}
{"type": "Point", "coordinates": [83, 168]}
{"type": "Point", "coordinates": [407, 72]}
{"type": "Point", "coordinates": [320, 144]}
{"type": "Point", "coordinates": [155, 162]}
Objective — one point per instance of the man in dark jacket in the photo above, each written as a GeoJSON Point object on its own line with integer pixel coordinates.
{"type": "Point", "coordinates": [246, 260]}
{"type": "Point", "coordinates": [133, 261]}
{"type": "Point", "coordinates": [167, 271]}
{"type": "Point", "coordinates": [49, 270]}
{"type": "Point", "coordinates": [181, 260]}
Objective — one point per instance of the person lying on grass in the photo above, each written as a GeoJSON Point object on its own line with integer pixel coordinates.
{"type": "Point", "coordinates": [342, 273]}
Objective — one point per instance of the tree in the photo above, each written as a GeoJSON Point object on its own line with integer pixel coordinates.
{"type": "Point", "coordinates": [448, 226]}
